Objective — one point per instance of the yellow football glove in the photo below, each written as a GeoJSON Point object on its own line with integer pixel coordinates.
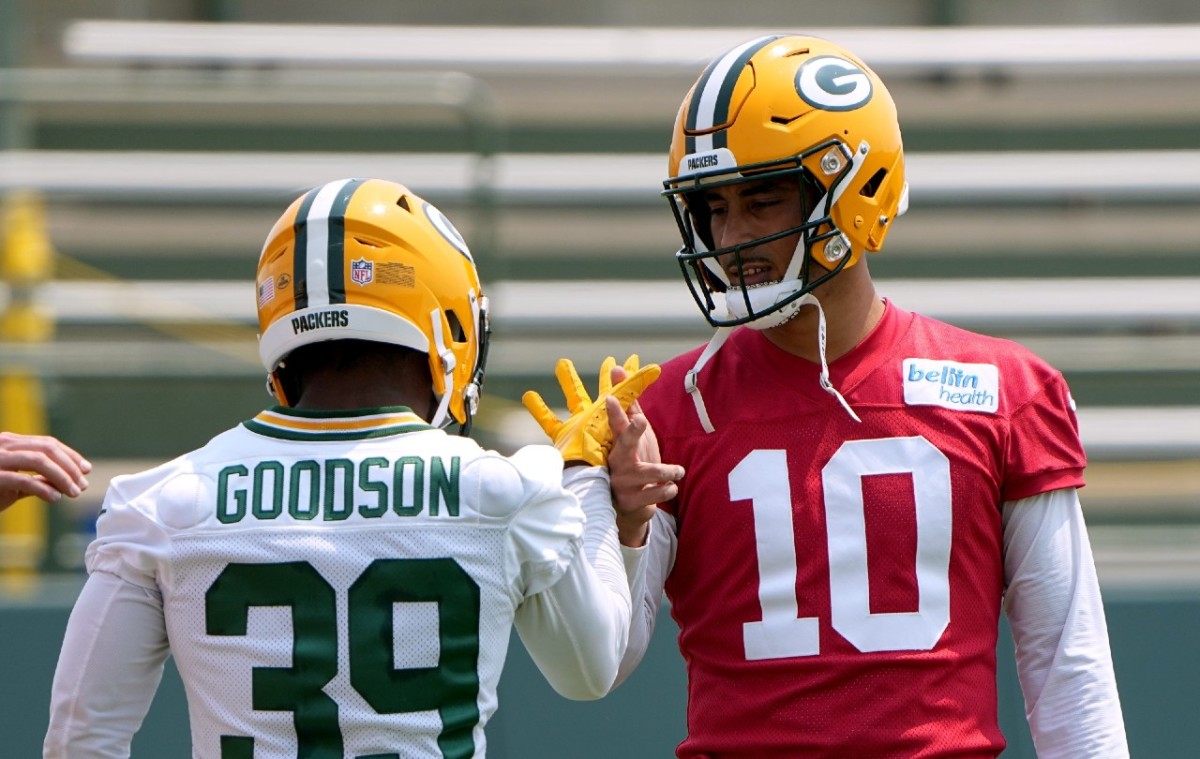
{"type": "Point", "coordinates": [586, 436]}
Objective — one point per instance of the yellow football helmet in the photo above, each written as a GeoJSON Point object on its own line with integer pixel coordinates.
{"type": "Point", "coordinates": [777, 106]}
{"type": "Point", "coordinates": [368, 259]}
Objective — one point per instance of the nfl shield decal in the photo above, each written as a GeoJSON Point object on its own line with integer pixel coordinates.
{"type": "Point", "coordinates": [362, 271]}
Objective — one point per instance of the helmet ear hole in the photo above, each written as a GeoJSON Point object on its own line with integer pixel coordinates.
{"type": "Point", "coordinates": [873, 184]}
{"type": "Point", "coordinates": [457, 333]}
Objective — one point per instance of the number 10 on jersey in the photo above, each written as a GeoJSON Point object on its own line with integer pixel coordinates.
{"type": "Point", "coordinates": [762, 479]}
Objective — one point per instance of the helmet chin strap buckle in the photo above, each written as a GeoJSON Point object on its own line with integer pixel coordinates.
{"type": "Point", "coordinates": [471, 398]}
{"type": "Point", "coordinates": [836, 248]}
{"type": "Point", "coordinates": [442, 416]}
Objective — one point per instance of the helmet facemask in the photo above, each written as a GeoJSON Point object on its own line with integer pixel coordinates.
{"type": "Point", "coordinates": [769, 107]}
{"type": "Point", "coordinates": [776, 105]}
{"type": "Point", "coordinates": [764, 305]}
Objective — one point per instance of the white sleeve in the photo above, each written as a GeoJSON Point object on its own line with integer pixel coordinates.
{"type": "Point", "coordinates": [654, 562]}
{"type": "Point", "coordinates": [108, 670]}
{"type": "Point", "coordinates": [576, 629]}
{"type": "Point", "coordinates": [1052, 599]}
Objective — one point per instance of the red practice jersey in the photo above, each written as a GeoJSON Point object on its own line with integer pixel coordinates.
{"type": "Point", "coordinates": [838, 583]}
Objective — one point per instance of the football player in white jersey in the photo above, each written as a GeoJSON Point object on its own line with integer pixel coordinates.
{"type": "Point", "coordinates": [338, 576]}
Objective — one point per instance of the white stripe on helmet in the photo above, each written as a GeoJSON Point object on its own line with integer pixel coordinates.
{"type": "Point", "coordinates": [706, 113]}
{"type": "Point", "coordinates": [317, 252]}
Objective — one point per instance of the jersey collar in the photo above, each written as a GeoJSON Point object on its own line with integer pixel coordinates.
{"type": "Point", "coordinates": [845, 372]}
{"type": "Point", "coordinates": [350, 424]}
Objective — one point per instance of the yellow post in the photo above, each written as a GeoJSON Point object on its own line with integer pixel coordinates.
{"type": "Point", "coordinates": [26, 260]}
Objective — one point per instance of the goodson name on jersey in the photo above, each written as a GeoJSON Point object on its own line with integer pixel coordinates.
{"type": "Point", "coordinates": [336, 489]}
{"type": "Point", "coordinates": [320, 320]}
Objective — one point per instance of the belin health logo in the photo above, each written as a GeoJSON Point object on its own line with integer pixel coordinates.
{"type": "Point", "coordinates": [949, 384]}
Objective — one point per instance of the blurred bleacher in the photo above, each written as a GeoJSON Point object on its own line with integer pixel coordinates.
{"type": "Point", "coordinates": [1053, 189]}
{"type": "Point", "coordinates": [1055, 183]}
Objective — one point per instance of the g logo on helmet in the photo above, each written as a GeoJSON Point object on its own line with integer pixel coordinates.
{"type": "Point", "coordinates": [833, 84]}
{"type": "Point", "coordinates": [442, 224]}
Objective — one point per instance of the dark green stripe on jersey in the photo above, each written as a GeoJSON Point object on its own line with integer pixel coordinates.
{"type": "Point", "coordinates": [329, 435]}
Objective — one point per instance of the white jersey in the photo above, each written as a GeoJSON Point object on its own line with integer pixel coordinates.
{"type": "Point", "coordinates": [338, 585]}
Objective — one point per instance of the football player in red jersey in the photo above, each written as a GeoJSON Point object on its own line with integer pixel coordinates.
{"type": "Point", "coordinates": [866, 487]}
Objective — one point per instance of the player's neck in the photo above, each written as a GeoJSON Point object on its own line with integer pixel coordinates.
{"type": "Point", "coordinates": [852, 309]}
{"type": "Point", "coordinates": [334, 392]}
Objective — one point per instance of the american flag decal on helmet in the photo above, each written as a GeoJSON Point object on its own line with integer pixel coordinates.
{"type": "Point", "coordinates": [266, 291]}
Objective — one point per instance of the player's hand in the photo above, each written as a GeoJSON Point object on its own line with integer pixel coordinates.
{"type": "Point", "coordinates": [41, 466]}
{"type": "Point", "coordinates": [586, 435]}
{"type": "Point", "coordinates": [639, 479]}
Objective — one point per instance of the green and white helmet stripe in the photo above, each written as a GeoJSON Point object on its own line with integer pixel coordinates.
{"type": "Point", "coordinates": [714, 90]}
{"type": "Point", "coordinates": [320, 244]}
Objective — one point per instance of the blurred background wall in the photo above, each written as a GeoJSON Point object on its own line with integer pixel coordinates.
{"type": "Point", "coordinates": [1056, 180]}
